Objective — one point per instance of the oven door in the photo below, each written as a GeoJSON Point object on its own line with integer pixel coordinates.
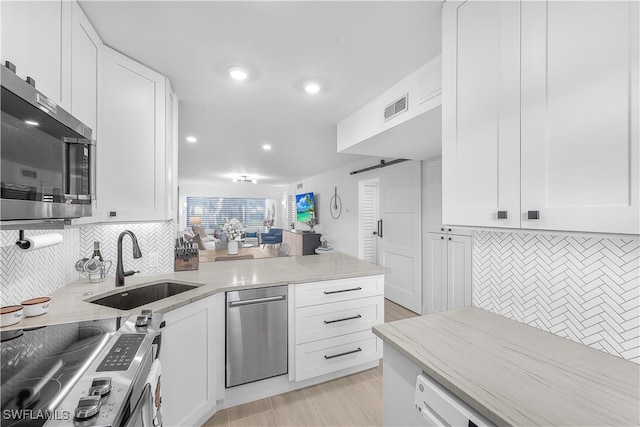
{"type": "Point", "coordinates": [142, 413]}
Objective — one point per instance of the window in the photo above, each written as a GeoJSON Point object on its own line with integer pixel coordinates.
{"type": "Point", "coordinates": [213, 210]}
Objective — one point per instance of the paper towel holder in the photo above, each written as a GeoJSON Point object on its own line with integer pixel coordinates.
{"type": "Point", "coordinates": [22, 244]}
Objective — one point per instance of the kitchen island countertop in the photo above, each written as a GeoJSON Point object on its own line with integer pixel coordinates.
{"type": "Point", "coordinates": [68, 304]}
{"type": "Point", "coordinates": [515, 374]}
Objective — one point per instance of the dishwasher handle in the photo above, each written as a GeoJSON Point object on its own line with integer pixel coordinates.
{"type": "Point", "coordinates": [256, 301]}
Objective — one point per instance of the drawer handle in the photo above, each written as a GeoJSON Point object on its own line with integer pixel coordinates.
{"type": "Point", "coordinates": [342, 290]}
{"type": "Point", "coordinates": [326, 322]}
{"type": "Point", "coordinates": [343, 354]}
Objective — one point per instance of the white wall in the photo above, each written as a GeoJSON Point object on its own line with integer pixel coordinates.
{"type": "Point", "coordinates": [342, 232]}
{"type": "Point", "coordinates": [275, 194]}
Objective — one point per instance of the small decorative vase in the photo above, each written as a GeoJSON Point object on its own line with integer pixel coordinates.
{"type": "Point", "coordinates": [232, 248]}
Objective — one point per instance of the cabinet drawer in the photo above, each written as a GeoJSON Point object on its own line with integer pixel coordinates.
{"type": "Point", "coordinates": [338, 290]}
{"type": "Point", "coordinates": [339, 318]}
{"type": "Point", "coordinates": [333, 354]}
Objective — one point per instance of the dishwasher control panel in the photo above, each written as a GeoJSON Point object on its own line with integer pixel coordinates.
{"type": "Point", "coordinates": [436, 406]}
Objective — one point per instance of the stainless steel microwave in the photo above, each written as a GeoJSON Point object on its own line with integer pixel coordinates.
{"type": "Point", "coordinates": [48, 157]}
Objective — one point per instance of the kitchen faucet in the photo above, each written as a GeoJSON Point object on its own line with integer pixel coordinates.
{"type": "Point", "coordinates": [120, 273]}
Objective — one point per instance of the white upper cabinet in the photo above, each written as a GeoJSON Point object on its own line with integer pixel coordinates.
{"type": "Point", "coordinates": [480, 113]}
{"type": "Point", "coordinates": [32, 39]}
{"type": "Point", "coordinates": [540, 115]}
{"type": "Point", "coordinates": [85, 53]}
{"type": "Point", "coordinates": [132, 159]}
{"type": "Point", "coordinates": [580, 115]}
{"type": "Point", "coordinates": [171, 174]}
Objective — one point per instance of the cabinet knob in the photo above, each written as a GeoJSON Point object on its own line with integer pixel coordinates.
{"type": "Point", "coordinates": [449, 230]}
{"type": "Point", "coordinates": [449, 238]}
{"type": "Point", "coordinates": [441, 237]}
{"type": "Point", "coordinates": [442, 229]}
{"type": "Point", "coordinates": [533, 214]}
{"type": "Point", "coordinates": [112, 213]}
{"type": "Point", "coordinates": [502, 214]}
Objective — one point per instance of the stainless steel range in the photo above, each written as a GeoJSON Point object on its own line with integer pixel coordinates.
{"type": "Point", "coordinates": [87, 373]}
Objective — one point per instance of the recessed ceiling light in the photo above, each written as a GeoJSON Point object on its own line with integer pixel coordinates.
{"type": "Point", "coordinates": [266, 147]}
{"type": "Point", "coordinates": [192, 139]}
{"type": "Point", "coordinates": [238, 73]}
{"type": "Point", "coordinates": [312, 88]}
{"type": "Point", "coordinates": [32, 123]}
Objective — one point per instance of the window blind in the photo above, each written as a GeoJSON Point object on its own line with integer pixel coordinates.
{"type": "Point", "coordinates": [212, 211]}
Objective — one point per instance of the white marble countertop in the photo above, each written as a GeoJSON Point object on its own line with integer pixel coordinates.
{"type": "Point", "coordinates": [69, 304]}
{"type": "Point", "coordinates": [518, 375]}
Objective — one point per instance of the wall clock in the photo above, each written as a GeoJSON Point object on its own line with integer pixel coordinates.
{"type": "Point", "coordinates": [336, 205]}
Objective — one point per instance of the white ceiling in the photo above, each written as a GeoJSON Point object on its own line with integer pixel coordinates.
{"type": "Point", "coordinates": [358, 49]}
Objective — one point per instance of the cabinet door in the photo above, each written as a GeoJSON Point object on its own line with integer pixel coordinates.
{"type": "Point", "coordinates": [188, 361]}
{"type": "Point", "coordinates": [481, 113]}
{"type": "Point", "coordinates": [458, 271]}
{"type": "Point", "coordinates": [580, 149]}
{"type": "Point", "coordinates": [85, 51]}
{"type": "Point", "coordinates": [435, 295]}
{"type": "Point", "coordinates": [171, 176]}
{"type": "Point", "coordinates": [32, 41]}
{"type": "Point", "coordinates": [132, 140]}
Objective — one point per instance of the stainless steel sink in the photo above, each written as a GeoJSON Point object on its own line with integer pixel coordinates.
{"type": "Point", "coordinates": [132, 298]}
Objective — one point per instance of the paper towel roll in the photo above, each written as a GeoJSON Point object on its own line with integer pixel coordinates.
{"type": "Point", "coordinates": [39, 241]}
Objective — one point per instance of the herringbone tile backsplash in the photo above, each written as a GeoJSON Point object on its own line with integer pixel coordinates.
{"type": "Point", "coordinates": [26, 275]}
{"type": "Point", "coordinates": [586, 289]}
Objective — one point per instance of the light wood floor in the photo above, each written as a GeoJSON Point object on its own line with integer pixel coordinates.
{"type": "Point", "coordinates": [355, 400]}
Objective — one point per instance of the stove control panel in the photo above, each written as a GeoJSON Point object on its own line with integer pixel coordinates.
{"type": "Point", "coordinates": [122, 353]}
{"type": "Point", "coordinates": [111, 385]}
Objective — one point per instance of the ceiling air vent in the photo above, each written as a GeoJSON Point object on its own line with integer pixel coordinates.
{"type": "Point", "coordinates": [396, 107]}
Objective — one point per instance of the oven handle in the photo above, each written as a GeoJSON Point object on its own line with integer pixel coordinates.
{"type": "Point", "coordinates": [255, 301]}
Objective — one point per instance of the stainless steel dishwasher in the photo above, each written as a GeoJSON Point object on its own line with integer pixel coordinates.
{"type": "Point", "coordinates": [256, 338]}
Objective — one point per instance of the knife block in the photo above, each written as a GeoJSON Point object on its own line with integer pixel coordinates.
{"type": "Point", "coordinates": [186, 263]}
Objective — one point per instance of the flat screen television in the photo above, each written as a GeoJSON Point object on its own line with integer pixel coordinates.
{"type": "Point", "coordinates": [305, 207]}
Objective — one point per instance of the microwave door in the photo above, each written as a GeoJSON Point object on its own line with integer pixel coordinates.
{"type": "Point", "coordinates": [31, 163]}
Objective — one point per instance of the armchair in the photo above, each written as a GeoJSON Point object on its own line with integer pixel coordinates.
{"type": "Point", "coordinates": [274, 236]}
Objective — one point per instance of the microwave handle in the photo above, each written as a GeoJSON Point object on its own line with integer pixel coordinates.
{"type": "Point", "coordinates": [93, 148]}
{"type": "Point", "coordinates": [92, 165]}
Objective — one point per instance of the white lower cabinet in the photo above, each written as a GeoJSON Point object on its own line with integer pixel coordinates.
{"type": "Point", "coordinates": [333, 354]}
{"type": "Point", "coordinates": [333, 321]}
{"type": "Point", "coordinates": [398, 388]}
{"type": "Point", "coordinates": [188, 359]}
{"type": "Point", "coordinates": [448, 284]}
